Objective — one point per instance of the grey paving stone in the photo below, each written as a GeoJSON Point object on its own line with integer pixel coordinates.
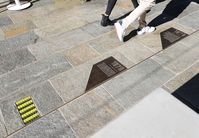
{"type": "Point", "coordinates": [2, 127]}
{"type": "Point", "coordinates": [134, 84]}
{"type": "Point", "coordinates": [18, 42]}
{"type": "Point", "coordinates": [2, 37]}
{"type": "Point", "coordinates": [33, 73]}
{"type": "Point", "coordinates": [95, 29]}
{"type": "Point", "coordinates": [44, 97]}
{"type": "Point", "coordinates": [91, 112]}
{"type": "Point", "coordinates": [182, 78]}
{"type": "Point", "coordinates": [191, 40]}
{"type": "Point", "coordinates": [51, 126]}
{"type": "Point", "coordinates": [191, 20]}
{"type": "Point", "coordinates": [71, 38]}
{"type": "Point", "coordinates": [15, 60]}
{"type": "Point", "coordinates": [5, 20]}
{"type": "Point", "coordinates": [178, 57]}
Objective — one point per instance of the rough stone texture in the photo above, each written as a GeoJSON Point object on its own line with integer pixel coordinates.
{"type": "Point", "coordinates": [15, 60]}
{"type": "Point", "coordinates": [51, 126]}
{"type": "Point", "coordinates": [2, 127]}
{"type": "Point", "coordinates": [34, 73]}
{"type": "Point", "coordinates": [182, 78]}
{"type": "Point", "coordinates": [80, 54]}
{"type": "Point", "coordinates": [178, 61]}
{"type": "Point", "coordinates": [44, 97]}
{"type": "Point", "coordinates": [190, 20]}
{"type": "Point", "coordinates": [5, 20]}
{"type": "Point", "coordinates": [18, 42]}
{"type": "Point", "coordinates": [157, 115]}
{"type": "Point", "coordinates": [91, 112]}
{"type": "Point", "coordinates": [134, 84]}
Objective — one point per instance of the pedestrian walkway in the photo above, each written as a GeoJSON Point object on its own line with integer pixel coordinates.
{"type": "Point", "coordinates": [47, 52]}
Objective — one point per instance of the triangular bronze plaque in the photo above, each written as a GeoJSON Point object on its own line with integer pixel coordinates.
{"type": "Point", "coordinates": [170, 36]}
{"type": "Point", "coordinates": [104, 70]}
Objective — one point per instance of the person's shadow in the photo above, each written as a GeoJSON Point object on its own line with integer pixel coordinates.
{"type": "Point", "coordinates": [173, 9]}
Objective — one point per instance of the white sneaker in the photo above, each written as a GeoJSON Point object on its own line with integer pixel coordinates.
{"type": "Point", "coordinates": [120, 30]}
{"type": "Point", "coordinates": [147, 29]}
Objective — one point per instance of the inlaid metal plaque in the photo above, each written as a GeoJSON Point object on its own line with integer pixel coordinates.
{"type": "Point", "coordinates": [189, 93]}
{"type": "Point", "coordinates": [103, 71]}
{"type": "Point", "coordinates": [171, 36]}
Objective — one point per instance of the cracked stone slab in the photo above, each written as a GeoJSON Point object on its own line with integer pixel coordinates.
{"type": "Point", "coordinates": [91, 112]}
{"type": "Point", "coordinates": [52, 125]}
{"type": "Point", "coordinates": [14, 60]}
{"type": "Point", "coordinates": [44, 96]}
{"type": "Point", "coordinates": [32, 74]}
{"type": "Point", "coordinates": [139, 81]}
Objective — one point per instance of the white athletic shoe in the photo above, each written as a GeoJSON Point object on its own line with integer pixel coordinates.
{"type": "Point", "coordinates": [147, 29]}
{"type": "Point", "coordinates": [120, 30]}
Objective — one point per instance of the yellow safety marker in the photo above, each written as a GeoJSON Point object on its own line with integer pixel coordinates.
{"type": "Point", "coordinates": [24, 104]}
{"type": "Point", "coordinates": [31, 118]}
{"type": "Point", "coordinates": [23, 100]}
{"type": "Point", "coordinates": [29, 113]}
{"type": "Point", "coordinates": [27, 108]}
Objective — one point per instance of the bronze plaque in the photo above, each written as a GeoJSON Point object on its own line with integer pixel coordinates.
{"type": "Point", "coordinates": [103, 71]}
{"type": "Point", "coordinates": [170, 36]}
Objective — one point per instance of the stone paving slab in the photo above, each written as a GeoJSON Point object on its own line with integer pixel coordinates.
{"type": "Point", "coordinates": [91, 112]}
{"type": "Point", "coordinates": [5, 20]}
{"type": "Point", "coordinates": [134, 84]}
{"type": "Point", "coordinates": [51, 126]}
{"type": "Point", "coordinates": [15, 60]}
{"type": "Point", "coordinates": [3, 132]}
{"type": "Point", "coordinates": [18, 42]}
{"type": "Point", "coordinates": [157, 115]}
{"type": "Point", "coordinates": [178, 61]}
{"type": "Point", "coordinates": [44, 96]}
{"type": "Point", "coordinates": [182, 78]}
{"type": "Point", "coordinates": [34, 73]}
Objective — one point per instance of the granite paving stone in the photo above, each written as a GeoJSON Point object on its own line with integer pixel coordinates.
{"type": "Point", "coordinates": [191, 40]}
{"type": "Point", "coordinates": [3, 132]}
{"type": "Point", "coordinates": [190, 20]}
{"type": "Point", "coordinates": [134, 84]}
{"type": "Point", "coordinates": [95, 29]}
{"type": "Point", "coordinates": [135, 51]}
{"type": "Point", "coordinates": [18, 42]}
{"type": "Point", "coordinates": [106, 42]}
{"type": "Point", "coordinates": [15, 60]}
{"type": "Point", "coordinates": [33, 73]}
{"type": "Point", "coordinates": [51, 126]}
{"type": "Point", "coordinates": [2, 37]}
{"type": "Point", "coordinates": [70, 39]}
{"type": "Point", "coordinates": [17, 29]}
{"type": "Point", "coordinates": [178, 61]}
{"type": "Point", "coordinates": [91, 112]}
{"type": "Point", "coordinates": [44, 97]}
{"type": "Point", "coordinates": [182, 78]}
{"type": "Point", "coordinates": [80, 54]}
{"type": "Point", "coordinates": [5, 20]}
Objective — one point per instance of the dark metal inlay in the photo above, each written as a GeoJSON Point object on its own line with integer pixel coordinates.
{"type": "Point", "coordinates": [104, 70]}
{"type": "Point", "coordinates": [170, 36]}
{"type": "Point", "coordinates": [189, 93]}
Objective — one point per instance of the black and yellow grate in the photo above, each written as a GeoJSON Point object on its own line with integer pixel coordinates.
{"type": "Point", "coordinates": [27, 109]}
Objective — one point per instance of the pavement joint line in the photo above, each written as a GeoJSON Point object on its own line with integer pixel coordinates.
{"type": "Point", "coordinates": [91, 90]}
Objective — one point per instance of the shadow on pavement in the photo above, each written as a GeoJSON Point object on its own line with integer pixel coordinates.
{"type": "Point", "coordinates": [173, 9]}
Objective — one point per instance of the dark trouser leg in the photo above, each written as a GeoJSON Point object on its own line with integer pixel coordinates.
{"type": "Point", "coordinates": [110, 6]}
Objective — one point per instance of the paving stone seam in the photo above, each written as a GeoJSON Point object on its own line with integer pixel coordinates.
{"type": "Point", "coordinates": [1, 116]}
{"type": "Point", "coordinates": [164, 85]}
{"type": "Point", "coordinates": [68, 123]}
{"type": "Point", "coordinates": [186, 69]}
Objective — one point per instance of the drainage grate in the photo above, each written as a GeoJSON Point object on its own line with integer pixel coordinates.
{"type": "Point", "coordinates": [27, 110]}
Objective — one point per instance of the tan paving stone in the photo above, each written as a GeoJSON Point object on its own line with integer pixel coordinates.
{"type": "Point", "coordinates": [182, 78]}
{"type": "Point", "coordinates": [80, 54]}
{"type": "Point", "coordinates": [91, 112]}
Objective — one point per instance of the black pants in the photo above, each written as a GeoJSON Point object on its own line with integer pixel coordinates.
{"type": "Point", "coordinates": [111, 4]}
